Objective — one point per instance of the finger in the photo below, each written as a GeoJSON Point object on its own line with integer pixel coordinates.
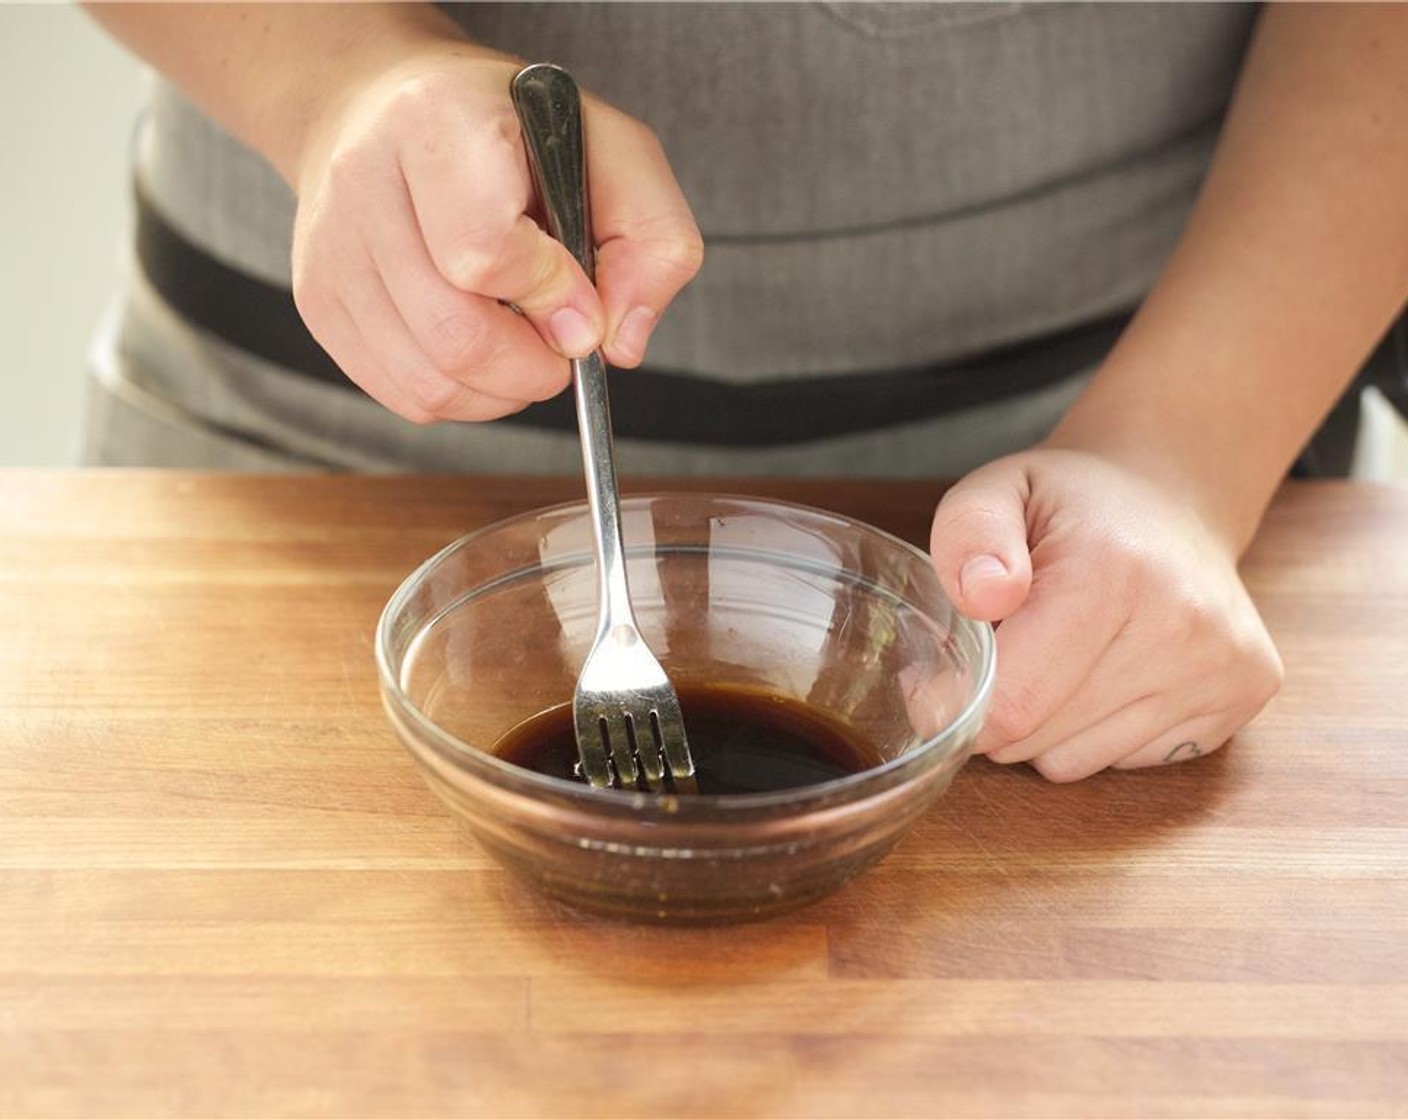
{"type": "Point", "coordinates": [338, 334]}
{"type": "Point", "coordinates": [1072, 722]}
{"type": "Point", "coordinates": [408, 386]}
{"type": "Point", "coordinates": [1122, 680]}
{"type": "Point", "coordinates": [1184, 743]}
{"type": "Point", "coordinates": [471, 203]}
{"type": "Point", "coordinates": [1138, 672]}
{"type": "Point", "coordinates": [363, 332]}
{"type": "Point", "coordinates": [978, 543]}
{"type": "Point", "coordinates": [1046, 654]}
{"type": "Point", "coordinates": [649, 246]}
{"type": "Point", "coordinates": [1119, 743]}
{"type": "Point", "coordinates": [1124, 729]}
{"type": "Point", "coordinates": [929, 698]}
{"type": "Point", "coordinates": [468, 338]}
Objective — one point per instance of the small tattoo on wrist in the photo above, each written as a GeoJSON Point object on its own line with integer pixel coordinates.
{"type": "Point", "coordinates": [1185, 749]}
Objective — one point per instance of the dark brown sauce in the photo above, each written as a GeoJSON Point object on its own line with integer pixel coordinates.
{"type": "Point", "coordinates": [742, 741]}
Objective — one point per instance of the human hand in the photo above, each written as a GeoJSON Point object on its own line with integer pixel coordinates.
{"type": "Point", "coordinates": [415, 228]}
{"type": "Point", "coordinates": [1127, 637]}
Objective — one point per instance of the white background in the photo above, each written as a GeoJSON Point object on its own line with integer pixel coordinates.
{"type": "Point", "coordinates": [68, 97]}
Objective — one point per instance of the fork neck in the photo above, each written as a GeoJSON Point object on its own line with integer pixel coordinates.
{"type": "Point", "coordinates": [599, 463]}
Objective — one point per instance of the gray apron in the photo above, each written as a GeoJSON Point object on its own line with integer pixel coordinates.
{"type": "Point", "coordinates": [880, 187]}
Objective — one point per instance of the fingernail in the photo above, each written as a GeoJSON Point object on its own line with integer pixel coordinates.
{"type": "Point", "coordinates": [978, 570]}
{"type": "Point", "coordinates": [572, 332]}
{"type": "Point", "coordinates": [634, 332]}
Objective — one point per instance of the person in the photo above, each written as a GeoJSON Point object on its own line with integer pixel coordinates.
{"type": "Point", "coordinates": [927, 227]}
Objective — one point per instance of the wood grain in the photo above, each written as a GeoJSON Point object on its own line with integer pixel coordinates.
{"type": "Point", "coordinates": [225, 891]}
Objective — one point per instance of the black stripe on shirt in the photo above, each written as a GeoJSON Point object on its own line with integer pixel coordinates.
{"type": "Point", "coordinates": [652, 404]}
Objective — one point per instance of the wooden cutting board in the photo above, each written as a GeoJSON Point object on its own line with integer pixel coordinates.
{"type": "Point", "coordinates": [224, 890]}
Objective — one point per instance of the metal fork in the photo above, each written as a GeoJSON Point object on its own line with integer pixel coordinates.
{"type": "Point", "coordinates": [625, 711]}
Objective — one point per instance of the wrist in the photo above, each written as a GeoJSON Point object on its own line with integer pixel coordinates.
{"type": "Point", "coordinates": [292, 120]}
{"type": "Point", "coordinates": [1202, 467]}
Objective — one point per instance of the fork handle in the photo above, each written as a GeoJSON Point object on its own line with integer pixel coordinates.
{"type": "Point", "coordinates": [550, 113]}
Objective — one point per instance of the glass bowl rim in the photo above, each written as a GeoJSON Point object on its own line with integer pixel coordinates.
{"type": "Point", "coordinates": [462, 754]}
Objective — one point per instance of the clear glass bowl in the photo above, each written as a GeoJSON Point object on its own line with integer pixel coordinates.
{"type": "Point", "coordinates": [728, 591]}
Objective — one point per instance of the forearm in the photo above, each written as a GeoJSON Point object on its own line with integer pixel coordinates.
{"type": "Point", "coordinates": [265, 71]}
{"type": "Point", "coordinates": [1292, 265]}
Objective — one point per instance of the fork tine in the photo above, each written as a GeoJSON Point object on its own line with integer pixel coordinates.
{"type": "Point", "coordinates": [591, 748]}
{"type": "Point", "coordinates": [646, 740]}
{"type": "Point", "coordinates": [615, 730]}
{"type": "Point", "coordinates": [668, 724]}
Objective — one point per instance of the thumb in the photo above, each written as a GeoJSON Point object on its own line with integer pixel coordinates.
{"type": "Point", "coordinates": [979, 543]}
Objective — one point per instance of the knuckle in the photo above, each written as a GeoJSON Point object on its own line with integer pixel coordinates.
{"type": "Point", "coordinates": [414, 95]}
{"type": "Point", "coordinates": [473, 255]}
{"type": "Point", "coordinates": [503, 131]}
{"type": "Point", "coordinates": [550, 383]}
{"type": "Point", "coordinates": [672, 245]}
{"type": "Point", "coordinates": [1253, 647]}
{"type": "Point", "coordinates": [1219, 739]}
{"type": "Point", "coordinates": [524, 376]}
{"type": "Point", "coordinates": [543, 279]}
{"type": "Point", "coordinates": [1191, 621]}
{"type": "Point", "coordinates": [1270, 675]}
{"type": "Point", "coordinates": [416, 415]}
{"type": "Point", "coordinates": [642, 133]}
{"type": "Point", "coordinates": [1007, 755]}
{"type": "Point", "coordinates": [314, 300]}
{"type": "Point", "coordinates": [1015, 715]}
{"type": "Point", "coordinates": [499, 408]}
{"type": "Point", "coordinates": [428, 106]}
{"type": "Point", "coordinates": [350, 171]}
{"type": "Point", "coordinates": [628, 132]}
{"type": "Point", "coordinates": [436, 395]}
{"type": "Point", "coordinates": [475, 249]}
{"type": "Point", "coordinates": [1061, 767]}
{"type": "Point", "coordinates": [1275, 674]}
{"type": "Point", "coordinates": [677, 244]}
{"type": "Point", "coordinates": [1145, 759]}
{"type": "Point", "coordinates": [1249, 665]}
{"type": "Point", "coordinates": [960, 505]}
